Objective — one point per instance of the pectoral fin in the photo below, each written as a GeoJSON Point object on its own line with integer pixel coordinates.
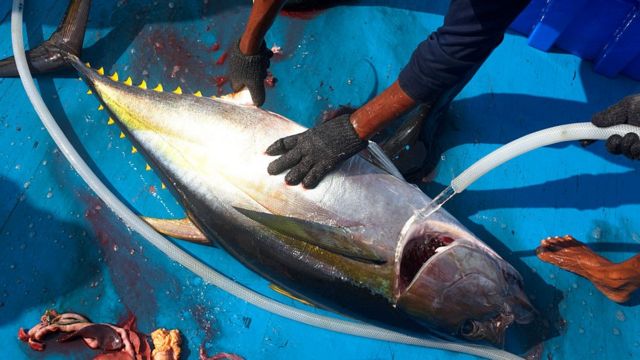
{"type": "Point", "coordinates": [339, 240]}
{"type": "Point", "coordinates": [182, 229]}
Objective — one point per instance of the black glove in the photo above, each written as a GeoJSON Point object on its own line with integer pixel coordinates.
{"type": "Point", "coordinates": [249, 71]}
{"type": "Point", "coordinates": [314, 153]}
{"type": "Point", "coordinates": [627, 111]}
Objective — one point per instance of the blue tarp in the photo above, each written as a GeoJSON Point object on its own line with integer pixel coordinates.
{"type": "Point", "coordinates": [61, 248]}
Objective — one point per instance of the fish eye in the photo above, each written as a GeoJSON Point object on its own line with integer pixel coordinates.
{"type": "Point", "coordinates": [469, 328]}
{"type": "Point", "coordinates": [512, 279]}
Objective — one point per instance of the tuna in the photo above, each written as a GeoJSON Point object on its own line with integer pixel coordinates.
{"type": "Point", "coordinates": [339, 246]}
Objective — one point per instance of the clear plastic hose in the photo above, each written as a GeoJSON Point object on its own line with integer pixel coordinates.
{"type": "Point", "coordinates": [553, 135]}
{"type": "Point", "coordinates": [175, 253]}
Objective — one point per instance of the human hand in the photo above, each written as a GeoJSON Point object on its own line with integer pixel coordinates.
{"type": "Point", "coordinates": [249, 71]}
{"type": "Point", "coordinates": [311, 155]}
{"type": "Point", "coordinates": [626, 111]}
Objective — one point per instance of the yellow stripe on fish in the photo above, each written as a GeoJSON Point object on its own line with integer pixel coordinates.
{"type": "Point", "coordinates": [284, 292]}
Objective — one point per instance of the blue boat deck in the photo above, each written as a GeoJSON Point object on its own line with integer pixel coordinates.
{"type": "Point", "coordinates": [62, 248]}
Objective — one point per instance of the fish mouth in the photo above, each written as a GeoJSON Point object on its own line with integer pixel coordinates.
{"type": "Point", "coordinates": [418, 250]}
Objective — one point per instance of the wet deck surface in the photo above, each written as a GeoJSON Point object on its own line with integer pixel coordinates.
{"type": "Point", "coordinates": [63, 249]}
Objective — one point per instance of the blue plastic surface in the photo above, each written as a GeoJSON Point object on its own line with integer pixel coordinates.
{"type": "Point", "coordinates": [605, 31]}
{"type": "Point", "coordinates": [61, 248]}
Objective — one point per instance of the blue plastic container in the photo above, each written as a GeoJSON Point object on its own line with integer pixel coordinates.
{"type": "Point", "coordinates": [605, 31]}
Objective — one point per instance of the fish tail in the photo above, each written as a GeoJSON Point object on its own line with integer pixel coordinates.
{"type": "Point", "coordinates": [52, 55]}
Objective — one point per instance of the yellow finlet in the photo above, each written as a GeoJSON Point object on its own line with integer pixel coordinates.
{"type": "Point", "coordinates": [122, 135]}
{"type": "Point", "coordinates": [87, 65]}
{"type": "Point", "coordinates": [178, 91]}
{"type": "Point", "coordinates": [89, 92]}
{"type": "Point", "coordinates": [143, 85]}
{"type": "Point", "coordinates": [162, 185]}
{"type": "Point", "coordinates": [134, 150]}
{"type": "Point", "coordinates": [114, 77]}
{"type": "Point", "coordinates": [284, 292]}
{"type": "Point", "coordinates": [100, 108]}
{"type": "Point", "coordinates": [158, 88]}
{"type": "Point", "coordinates": [100, 71]}
{"type": "Point", "coordinates": [128, 82]}
{"type": "Point", "coordinates": [110, 121]}
{"type": "Point", "coordinates": [147, 167]}
{"type": "Point", "coordinates": [198, 93]}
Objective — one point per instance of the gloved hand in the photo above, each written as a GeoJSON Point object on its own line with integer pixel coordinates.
{"type": "Point", "coordinates": [314, 153]}
{"type": "Point", "coordinates": [627, 111]}
{"type": "Point", "coordinates": [249, 71]}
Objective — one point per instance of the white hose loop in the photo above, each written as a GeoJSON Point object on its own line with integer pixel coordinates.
{"type": "Point", "coordinates": [175, 253]}
{"type": "Point", "coordinates": [553, 135]}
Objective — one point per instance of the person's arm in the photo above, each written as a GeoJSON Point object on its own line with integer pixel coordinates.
{"type": "Point", "coordinates": [384, 108]}
{"type": "Point", "coordinates": [249, 56]}
{"type": "Point", "coordinates": [263, 13]}
{"type": "Point", "coordinates": [471, 30]}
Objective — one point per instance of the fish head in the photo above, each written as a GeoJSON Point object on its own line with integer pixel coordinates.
{"type": "Point", "coordinates": [447, 277]}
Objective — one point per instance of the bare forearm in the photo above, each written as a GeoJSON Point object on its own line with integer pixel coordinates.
{"type": "Point", "coordinates": [381, 110]}
{"type": "Point", "coordinates": [263, 13]}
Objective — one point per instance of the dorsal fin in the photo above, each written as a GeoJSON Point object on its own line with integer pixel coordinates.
{"type": "Point", "coordinates": [338, 240]}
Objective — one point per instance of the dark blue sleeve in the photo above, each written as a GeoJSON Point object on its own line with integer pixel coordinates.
{"type": "Point", "coordinates": [471, 30]}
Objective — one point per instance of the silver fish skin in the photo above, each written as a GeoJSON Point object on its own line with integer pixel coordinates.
{"type": "Point", "coordinates": [340, 245]}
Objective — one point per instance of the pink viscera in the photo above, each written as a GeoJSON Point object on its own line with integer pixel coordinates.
{"type": "Point", "coordinates": [119, 341]}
